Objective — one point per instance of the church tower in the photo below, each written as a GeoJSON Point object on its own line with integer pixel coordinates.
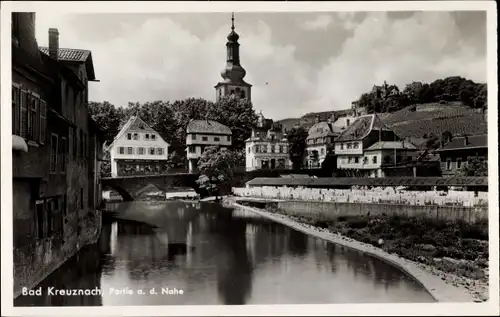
{"type": "Point", "coordinates": [233, 73]}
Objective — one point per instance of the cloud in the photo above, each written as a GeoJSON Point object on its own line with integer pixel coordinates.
{"type": "Point", "coordinates": [320, 22]}
{"type": "Point", "coordinates": [160, 57]}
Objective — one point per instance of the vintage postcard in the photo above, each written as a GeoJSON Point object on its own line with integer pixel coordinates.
{"type": "Point", "coordinates": [249, 158]}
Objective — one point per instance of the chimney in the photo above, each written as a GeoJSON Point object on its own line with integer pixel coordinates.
{"type": "Point", "coordinates": [54, 43]}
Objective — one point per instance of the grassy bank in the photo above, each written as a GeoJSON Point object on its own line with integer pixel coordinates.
{"type": "Point", "coordinates": [452, 247]}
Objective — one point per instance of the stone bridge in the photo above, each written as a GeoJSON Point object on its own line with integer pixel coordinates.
{"type": "Point", "coordinates": [129, 186]}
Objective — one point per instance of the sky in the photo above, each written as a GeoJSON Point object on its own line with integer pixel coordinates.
{"type": "Point", "coordinates": [297, 62]}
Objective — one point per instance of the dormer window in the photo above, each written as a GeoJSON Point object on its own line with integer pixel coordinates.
{"type": "Point", "coordinates": [136, 136]}
{"type": "Point", "coordinates": [129, 136]}
{"type": "Point", "coordinates": [146, 136]}
{"type": "Point", "coordinates": [153, 137]}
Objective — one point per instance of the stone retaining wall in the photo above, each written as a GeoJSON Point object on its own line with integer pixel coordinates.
{"type": "Point", "coordinates": [35, 261]}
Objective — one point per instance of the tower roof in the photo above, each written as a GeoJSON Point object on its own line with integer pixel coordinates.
{"type": "Point", "coordinates": [233, 36]}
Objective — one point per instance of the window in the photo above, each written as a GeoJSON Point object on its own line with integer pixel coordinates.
{"type": "Point", "coordinates": [322, 151]}
{"type": "Point", "coordinates": [129, 136]}
{"type": "Point", "coordinates": [136, 136]}
{"type": "Point", "coordinates": [356, 160]}
{"type": "Point", "coordinates": [147, 136]}
{"type": "Point", "coordinates": [43, 121]}
{"type": "Point", "coordinates": [355, 145]}
{"type": "Point", "coordinates": [152, 150]}
{"type": "Point", "coordinates": [349, 145]}
{"type": "Point", "coordinates": [23, 119]}
{"type": "Point", "coordinates": [193, 136]}
{"type": "Point", "coordinates": [33, 118]}
{"type": "Point", "coordinates": [121, 150]}
{"type": "Point", "coordinates": [191, 149]}
{"type": "Point", "coordinates": [459, 163]}
{"type": "Point", "coordinates": [81, 198]}
{"type": "Point", "coordinates": [280, 149]}
{"type": "Point", "coordinates": [272, 148]}
{"type": "Point", "coordinates": [341, 146]}
{"type": "Point", "coordinates": [53, 152]}
{"type": "Point", "coordinates": [130, 150]}
{"type": "Point", "coordinates": [216, 139]}
{"type": "Point", "coordinates": [204, 138]}
{"type": "Point", "coordinates": [448, 164]}
{"type": "Point", "coordinates": [153, 137]}
{"type": "Point", "coordinates": [264, 149]}
{"type": "Point", "coordinates": [62, 156]}
{"type": "Point", "coordinates": [365, 160]}
{"type": "Point", "coordinates": [348, 122]}
{"type": "Point", "coordinates": [374, 159]}
{"type": "Point", "coordinates": [160, 151]}
{"type": "Point", "coordinates": [249, 150]}
{"type": "Point", "coordinates": [141, 151]}
{"type": "Point", "coordinates": [349, 160]}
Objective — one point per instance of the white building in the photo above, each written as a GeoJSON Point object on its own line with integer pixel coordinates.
{"type": "Point", "coordinates": [138, 149]}
{"type": "Point", "coordinates": [201, 134]}
{"type": "Point", "coordinates": [267, 148]}
{"type": "Point", "coordinates": [350, 146]}
{"type": "Point", "coordinates": [386, 153]}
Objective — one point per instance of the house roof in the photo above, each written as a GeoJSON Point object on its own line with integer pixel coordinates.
{"type": "Point", "coordinates": [473, 141]}
{"type": "Point", "coordinates": [207, 126]}
{"type": "Point", "coordinates": [75, 55]}
{"type": "Point", "coordinates": [361, 127]}
{"type": "Point", "coordinates": [392, 145]}
{"type": "Point", "coordinates": [134, 124]}
{"type": "Point", "coordinates": [321, 129]}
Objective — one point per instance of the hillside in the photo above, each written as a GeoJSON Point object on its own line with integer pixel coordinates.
{"type": "Point", "coordinates": [432, 119]}
{"type": "Point", "coordinates": [307, 120]}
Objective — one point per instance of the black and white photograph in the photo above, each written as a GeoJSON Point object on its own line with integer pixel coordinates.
{"type": "Point", "coordinates": [225, 158]}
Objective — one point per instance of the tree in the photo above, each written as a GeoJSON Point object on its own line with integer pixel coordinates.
{"type": "Point", "coordinates": [107, 116]}
{"type": "Point", "coordinates": [216, 167]}
{"type": "Point", "coordinates": [297, 146]}
{"type": "Point", "coordinates": [476, 166]}
{"type": "Point", "coordinates": [238, 115]}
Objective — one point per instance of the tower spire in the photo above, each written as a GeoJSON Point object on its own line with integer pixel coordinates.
{"type": "Point", "coordinates": [232, 21]}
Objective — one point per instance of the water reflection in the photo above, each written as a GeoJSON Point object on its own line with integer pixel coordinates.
{"type": "Point", "coordinates": [217, 255]}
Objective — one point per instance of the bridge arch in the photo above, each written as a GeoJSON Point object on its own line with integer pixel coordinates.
{"type": "Point", "coordinates": [129, 186]}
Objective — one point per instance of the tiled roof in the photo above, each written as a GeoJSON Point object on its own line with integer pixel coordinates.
{"type": "Point", "coordinates": [391, 145]}
{"type": "Point", "coordinates": [69, 54]}
{"type": "Point", "coordinates": [362, 127]}
{"type": "Point", "coordinates": [321, 129]}
{"type": "Point", "coordinates": [473, 141]}
{"type": "Point", "coordinates": [207, 126]}
{"type": "Point", "coordinates": [325, 182]}
{"type": "Point", "coordinates": [134, 124]}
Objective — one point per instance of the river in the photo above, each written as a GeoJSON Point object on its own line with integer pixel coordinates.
{"type": "Point", "coordinates": [182, 253]}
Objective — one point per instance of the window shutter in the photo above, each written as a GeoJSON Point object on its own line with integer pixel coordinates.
{"type": "Point", "coordinates": [23, 124]}
{"type": "Point", "coordinates": [16, 110]}
{"type": "Point", "coordinates": [43, 121]}
{"type": "Point", "coordinates": [36, 118]}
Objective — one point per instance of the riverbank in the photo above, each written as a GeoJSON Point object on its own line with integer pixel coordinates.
{"type": "Point", "coordinates": [447, 279]}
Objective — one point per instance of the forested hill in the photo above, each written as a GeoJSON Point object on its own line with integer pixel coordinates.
{"type": "Point", "coordinates": [389, 98]}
